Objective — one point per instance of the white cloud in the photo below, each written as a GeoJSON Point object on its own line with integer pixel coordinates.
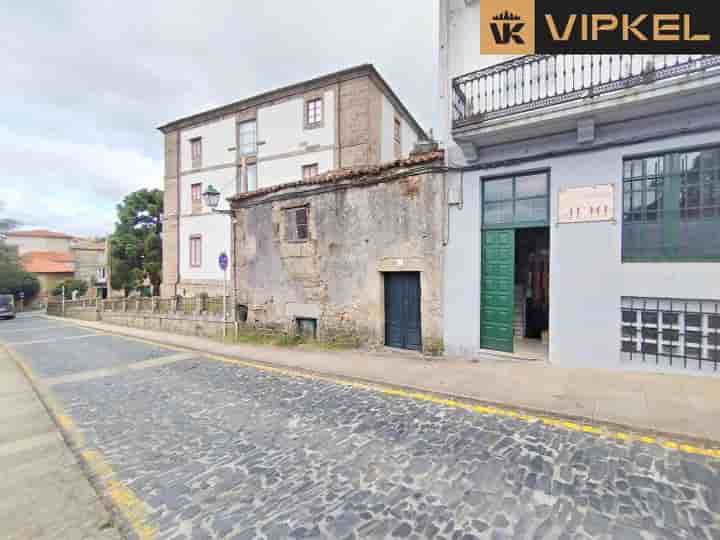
{"type": "Point", "coordinates": [85, 84]}
{"type": "Point", "coordinates": [58, 183]}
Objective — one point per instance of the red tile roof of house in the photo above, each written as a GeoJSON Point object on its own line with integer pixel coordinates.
{"type": "Point", "coordinates": [349, 173]}
{"type": "Point", "coordinates": [48, 262]}
{"type": "Point", "coordinates": [38, 233]}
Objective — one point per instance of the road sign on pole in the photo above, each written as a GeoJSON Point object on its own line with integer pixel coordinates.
{"type": "Point", "coordinates": [223, 261]}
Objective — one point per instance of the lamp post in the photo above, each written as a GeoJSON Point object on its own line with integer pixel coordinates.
{"type": "Point", "coordinates": [212, 200]}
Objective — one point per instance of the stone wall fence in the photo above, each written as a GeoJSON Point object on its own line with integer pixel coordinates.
{"type": "Point", "coordinates": [204, 316]}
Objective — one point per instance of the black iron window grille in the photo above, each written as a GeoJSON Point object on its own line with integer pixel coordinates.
{"type": "Point", "coordinates": [671, 331]}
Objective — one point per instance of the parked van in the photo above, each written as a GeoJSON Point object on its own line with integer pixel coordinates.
{"type": "Point", "coordinates": [7, 306]}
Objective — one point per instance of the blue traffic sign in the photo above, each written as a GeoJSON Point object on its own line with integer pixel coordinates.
{"type": "Point", "coordinates": [223, 261]}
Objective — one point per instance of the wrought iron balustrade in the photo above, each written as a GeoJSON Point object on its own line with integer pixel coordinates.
{"type": "Point", "coordinates": [536, 81]}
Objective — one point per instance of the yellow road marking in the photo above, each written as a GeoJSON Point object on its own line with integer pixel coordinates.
{"type": "Point", "coordinates": [126, 502]}
{"type": "Point", "coordinates": [131, 507]}
{"type": "Point", "coordinates": [481, 409]}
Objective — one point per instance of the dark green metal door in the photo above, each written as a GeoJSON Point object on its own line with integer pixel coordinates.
{"type": "Point", "coordinates": [497, 290]}
{"type": "Point", "coordinates": [402, 310]}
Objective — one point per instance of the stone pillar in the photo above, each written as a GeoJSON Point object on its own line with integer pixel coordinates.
{"type": "Point", "coordinates": [171, 211]}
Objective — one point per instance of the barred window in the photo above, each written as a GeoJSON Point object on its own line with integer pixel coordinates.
{"type": "Point", "coordinates": [671, 206]}
{"type": "Point", "coordinates": [296, 224]}
{"type": "Point", "coordinates": [671, 332]}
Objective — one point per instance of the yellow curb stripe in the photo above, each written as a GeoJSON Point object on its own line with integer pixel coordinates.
{"type": "Point", "coordinates": [128, 504]}
{"type": "Point", "coordinates": [480, 409]}
{"type": "Point", "coordinates": [131, 507]}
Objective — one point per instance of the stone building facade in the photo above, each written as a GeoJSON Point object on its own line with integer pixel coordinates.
{"type": "Point", "coordinates": [358, 227]}
{"type": "Point", "coordinates": [90, 257]}
{"type": "Point", "coordinates": [345, 119]}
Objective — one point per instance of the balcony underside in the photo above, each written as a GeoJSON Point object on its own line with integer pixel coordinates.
{"type": "Point", "coordinates": [497, 112]}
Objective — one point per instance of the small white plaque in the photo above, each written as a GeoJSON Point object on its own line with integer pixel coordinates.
{"type": "Point", "coordinates": [587, 204]}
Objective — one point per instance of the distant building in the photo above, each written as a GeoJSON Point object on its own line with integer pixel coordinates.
{"type": "Point", "coordinates": [91, 265]}
{"type": "Point", "coordinates": [39, 240]}
{"type": "Point", "coordinates": [345, 119]}
{"type": "Point", "coordinates": [49, 267]}
{"type": "Point", "coordinates": [54, 257]}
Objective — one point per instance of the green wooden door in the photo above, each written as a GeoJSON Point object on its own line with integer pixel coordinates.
{"type": "Point", "coordinates": [497, 289]}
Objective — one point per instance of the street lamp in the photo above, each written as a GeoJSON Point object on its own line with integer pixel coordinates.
{"type": "Point", "coordinates": [212, 197]}
{"type": "Point", "coordinates": [212, 200]}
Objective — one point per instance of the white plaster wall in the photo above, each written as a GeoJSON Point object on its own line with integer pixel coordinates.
{"type": "Point", "coordinates": [215, 231]}
{"type": "Point", "coordinates": [217, 138]}
{"type": "Point", "coordinates": [459, 51]}
{"type": "Point", "coordinates": [387, 126]}
{"type": "Point", "coordinates": [289, 169]}
{"type": "Point", "coordinates": [281, 127]}
{"type": "Point", "coordinates": [587, 276]}
{"type": "Point", "coordinates": [408, 138]}
{"type": "Point", "coordinates": [224, 180]}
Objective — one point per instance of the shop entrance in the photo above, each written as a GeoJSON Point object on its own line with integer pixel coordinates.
{"type": "Point", "coordinates": [515, 265]}
{"type": "Point", "coordinates": [515, 291]}
{"type": "Point", "coordinates": [531, 291]}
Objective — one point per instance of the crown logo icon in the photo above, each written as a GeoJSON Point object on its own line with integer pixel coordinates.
{"type": "Point", "coordinates": [506, 16]}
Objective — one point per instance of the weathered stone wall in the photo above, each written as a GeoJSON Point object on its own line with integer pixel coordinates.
{"type": "Point", "coordinates": [212, 287]}
{"type": "Point", "coordinates": [360, 122]}
{"type": "Point", "coordinates": [356, 234]}
{"type": "Point", "coordinates": [176, 323]}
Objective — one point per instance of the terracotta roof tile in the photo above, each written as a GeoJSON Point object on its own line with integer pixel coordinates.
{"type": "Point", "coordinates": [48, 262]}
{"type": "Point", "coordinates": [38, 233]}
{"type": "Point", "coordinates": [339, 175]}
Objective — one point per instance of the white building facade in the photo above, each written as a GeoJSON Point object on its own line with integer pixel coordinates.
{"type": "Point", "coordinates": [345, 119]}
{"type": "Point", "coordinates": [584, 204]}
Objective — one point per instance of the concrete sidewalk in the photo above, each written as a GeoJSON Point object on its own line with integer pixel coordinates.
{"type": "Point", "coordinates": [675, 405]}
{"type": "Point", "coordinates": [44, 493]}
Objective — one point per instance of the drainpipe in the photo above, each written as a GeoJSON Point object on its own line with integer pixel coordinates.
{"type": "Point", "coordinates": [233, 264]}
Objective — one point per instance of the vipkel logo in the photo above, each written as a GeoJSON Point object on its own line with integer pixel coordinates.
{"type": "Point", "coordinates": [611, 26]}
{"type": "Point", "coordinates": [506, 27]}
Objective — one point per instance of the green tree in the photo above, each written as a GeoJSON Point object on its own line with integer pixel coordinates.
{"type": "Point", "coordinates": [7, 253]}
{"type": "Point", "coordinates": [70, 285]}
{"type": "Point", "coordinates": [136, 244]}
{"type": "Point", "coordinates": [13, 278]}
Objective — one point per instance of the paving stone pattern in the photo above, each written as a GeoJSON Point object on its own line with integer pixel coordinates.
{"type": "Point", "coordinates": [222, 451]}
{"type": "Point", "coordinates": [65, 357]}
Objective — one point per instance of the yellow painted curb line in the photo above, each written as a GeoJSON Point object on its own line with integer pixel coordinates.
{"type": "Point", "coordinates": [428, 397]}
{"type": "Point", "coordinates": [131, 507]}
{"type": "Point", "coordinates": [482, 409]}
{"type": "Point", "coordinates": [123, 498]}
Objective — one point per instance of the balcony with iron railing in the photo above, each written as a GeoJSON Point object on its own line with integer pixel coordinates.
{"type": "Point", "coordinates": [534, 82]}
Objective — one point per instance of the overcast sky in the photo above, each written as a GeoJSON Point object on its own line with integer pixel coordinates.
{"type": "Point", "coordinates": [86, 83]}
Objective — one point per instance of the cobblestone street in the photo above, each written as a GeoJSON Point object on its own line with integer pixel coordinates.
{"type": "Point", "coordinates": [220, 450]}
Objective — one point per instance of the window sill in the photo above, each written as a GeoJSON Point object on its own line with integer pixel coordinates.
{"type": "Point", "coordinates": [313, 126]}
